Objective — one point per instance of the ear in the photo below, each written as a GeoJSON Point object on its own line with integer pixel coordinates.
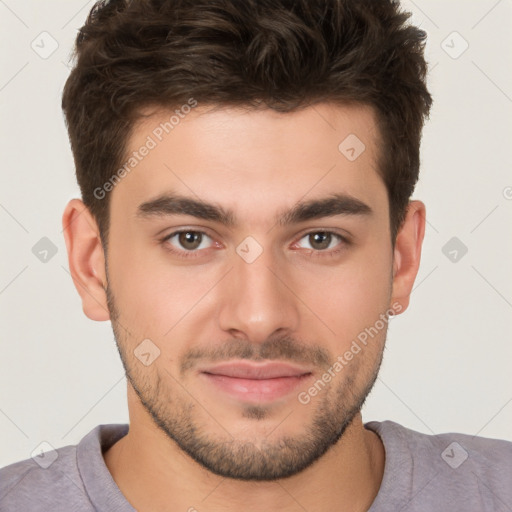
{"type": "Point", "coordinates": [86, 259]}
{"type": "Point", "coordinates": [407, 254]}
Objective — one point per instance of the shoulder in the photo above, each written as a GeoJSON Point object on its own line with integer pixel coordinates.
{"type": "Point", "coordinates": [482, 453]}
{"type": "Point", "coordinates": [457, 468]}
{"type": "Point", "coordinates": [62, 479]}
{"type": "Point", "coordinates": [51, 479]}
{"type": "Point", "coordinates": [73, 477]}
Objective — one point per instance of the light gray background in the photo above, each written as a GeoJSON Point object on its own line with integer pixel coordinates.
{"type": "Point", "coordinates": [447, 363]}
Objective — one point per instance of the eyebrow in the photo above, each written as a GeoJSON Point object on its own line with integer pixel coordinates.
{"type": "Point", "coordinates": [330, 206]}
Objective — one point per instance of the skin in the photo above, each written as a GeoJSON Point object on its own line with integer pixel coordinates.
{"type": "Point", "coordinates": [291, 303]}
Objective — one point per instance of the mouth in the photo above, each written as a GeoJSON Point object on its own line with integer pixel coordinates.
{"type": "Point", "coordinates": [257, 383]}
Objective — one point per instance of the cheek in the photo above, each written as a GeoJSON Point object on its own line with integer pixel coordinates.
{"type": "Point", "coordinates": [152, 294]}
{"type": "Point", "coordinates": [352, 295]}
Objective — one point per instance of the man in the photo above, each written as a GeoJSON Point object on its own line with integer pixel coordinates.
{"type": "Point", "coordinates": [246, 171]}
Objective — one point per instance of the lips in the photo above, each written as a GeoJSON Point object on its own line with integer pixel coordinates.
{"type": "Point", "coordinates": [251, 382]}
{"type": "Point", "coordinates": [247, 370]}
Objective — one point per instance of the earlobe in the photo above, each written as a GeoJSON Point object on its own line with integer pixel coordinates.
{"type": "Point", "coordinates": [86, 259]}
{"type": "Point", "coordinates": [407, 254]}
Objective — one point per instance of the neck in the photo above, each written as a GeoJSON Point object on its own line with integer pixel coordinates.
{"type": "Point", "coordinates": [153, 473]}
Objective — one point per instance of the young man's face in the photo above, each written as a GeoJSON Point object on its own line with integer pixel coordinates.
{"type": "Point", "coordinates": [222, 302]}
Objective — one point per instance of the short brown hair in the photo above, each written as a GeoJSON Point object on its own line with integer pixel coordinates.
{"type": "Point", "coordinates": [278, 54]}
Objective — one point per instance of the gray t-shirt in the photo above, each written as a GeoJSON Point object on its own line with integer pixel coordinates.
{"type": "Point", "coordinates": [436, 473]}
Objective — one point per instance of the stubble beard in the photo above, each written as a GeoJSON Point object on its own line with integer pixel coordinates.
{"type": "Point", "coordinates": [185, 421]}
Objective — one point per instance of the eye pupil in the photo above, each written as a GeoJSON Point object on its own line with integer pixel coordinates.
{"type": "Point", "coordinates": [317, 238]}
{"type": "Point", "coordinates": [190, 237]}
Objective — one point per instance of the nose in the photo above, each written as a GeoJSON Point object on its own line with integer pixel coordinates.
{"type": "Point", "coordinates": [259, 299]}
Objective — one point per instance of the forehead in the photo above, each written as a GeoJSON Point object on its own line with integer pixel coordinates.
{"type": "Point", "coordinates": [252, 159]}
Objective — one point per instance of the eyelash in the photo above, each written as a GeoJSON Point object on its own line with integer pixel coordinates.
{"type": "Point", "coordinates": [196, 253]}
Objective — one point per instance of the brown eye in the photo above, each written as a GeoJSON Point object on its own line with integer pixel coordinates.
{"type": "Point", "coordinates": [190, 240]}
{"type": "Point", "coordinates": [324, 243]}
{"type": "Point", "coordinates": [187, 242]}
{"type": "Point", "coordinates": [320, 240]}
